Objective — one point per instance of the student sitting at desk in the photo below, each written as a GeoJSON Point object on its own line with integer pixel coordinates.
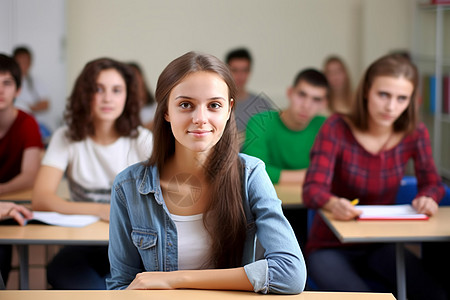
{"type": "Point", "coordinates": [20, 144]}
{"type": "Point", "coordinates": [188, 218]}
{"type": "Point", "coordinates": [364, 155]}
{"type": "Point", "coordinates": [283, 139]}
{"type": "Point", "coordinates": [101, 138]}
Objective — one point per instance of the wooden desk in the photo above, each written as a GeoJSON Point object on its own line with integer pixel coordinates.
{"type": "Point", "coordinates": [437, 228]}
{"type": "Point", "coordinates": [23, 236]}
{"type": "Point", "coordinates": [290, 195]}
{"type": "Point", "coordinates": [24, 196]}
{"type": "Point", "coordinates": [21, 197]}
{"type": "Point", "coordinates": [182, 294]}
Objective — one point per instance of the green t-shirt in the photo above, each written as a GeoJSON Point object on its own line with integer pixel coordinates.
{"type": "Point", "coordinates": [278, 146]}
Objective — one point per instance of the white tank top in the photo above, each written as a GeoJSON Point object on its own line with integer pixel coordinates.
{"type": "Point", "coordinates": [194, 242]}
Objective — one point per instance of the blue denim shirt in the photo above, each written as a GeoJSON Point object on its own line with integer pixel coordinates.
{"type": "Point", "coordinates": [143, 237]}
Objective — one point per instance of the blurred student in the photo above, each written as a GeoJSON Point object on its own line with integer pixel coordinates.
{"type": "Point", "coordinates": [20, 141]}
{"type": "Point", "coordinates": [34, 96]}
{"type": "Point", "coordinates": [188, 218]}
{"type": "Point", "coordinates": [102, 137]}
{"type": "Point", "coordinates": [284, 139]}
{"type": "Point", "coordinates": [148, 104]}
{"type": "Point", "coordinates": [246, 104]}
{"type": "Point", "coordinates": [338, 78]}
{"type": "Point", "coordinates": [20, 148]}
{"type": "Point", "coordinates": [364, 155]}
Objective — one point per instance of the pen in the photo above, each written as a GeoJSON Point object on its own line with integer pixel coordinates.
{"type": "Point", "coordinates": [354, 201]}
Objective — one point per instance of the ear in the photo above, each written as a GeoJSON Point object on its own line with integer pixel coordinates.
{"type": "Point", "coordinates": [289, 93]}
{"type": "Point", "coordinates": [166, 117]}
{"type": "Point", "coordinates": [230, 107]}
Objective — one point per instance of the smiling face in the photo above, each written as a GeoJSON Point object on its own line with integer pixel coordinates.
{"type": "Point", "coordinates": [198, 110]}
{"type": "Point", "coordinates": [110, 96]}
{"type": "Point", "coordinates": [8, 91]}
{"type": "Point", "coordinates": [387, 99]}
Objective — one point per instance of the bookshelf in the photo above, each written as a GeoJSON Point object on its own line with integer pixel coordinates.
{"type": "Point", "coordinates": [431, 53]}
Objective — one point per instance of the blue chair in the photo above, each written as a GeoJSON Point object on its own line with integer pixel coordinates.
{"type": "Point", "coordinates": [408, 191]}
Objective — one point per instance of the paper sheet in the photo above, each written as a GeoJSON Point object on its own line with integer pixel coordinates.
{"type": "Point", "coordinates": [389, 212]}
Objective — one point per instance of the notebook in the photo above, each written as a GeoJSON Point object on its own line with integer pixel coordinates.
{"type": "Point", "coordinates": [54, 218]}
{"type": "Point", "coordinates": [389, 212]}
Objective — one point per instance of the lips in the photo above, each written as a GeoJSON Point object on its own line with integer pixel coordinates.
{"type": "Point", "coordinates": [199, 133]}
{"type": "Point", "coordinates": [387, 117]}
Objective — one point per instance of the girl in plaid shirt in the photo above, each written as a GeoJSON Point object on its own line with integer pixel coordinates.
{"type": "Point", "coordinates": [364, 155]}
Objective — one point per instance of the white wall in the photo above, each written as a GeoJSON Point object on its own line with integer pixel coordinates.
{"type": "Point", "coordinates": [284, 36]}
{"type": "Point", "coordinates": [39, 25]}
{"type": "Point", "coordinates": [388, 25]}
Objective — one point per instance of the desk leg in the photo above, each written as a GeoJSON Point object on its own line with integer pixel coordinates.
{"type": "Point", "coordinates": [23, 266]}
{"type": "Point", "coordinates": [400, 265]}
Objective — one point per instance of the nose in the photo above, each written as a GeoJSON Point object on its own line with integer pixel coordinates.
{"type": "Point", "coordinates": [390, 104]}
{"type": "Point", "coordinates": [306, 103]}
{"type": "Point", "coordinates": [200, 115]}
{"type": "Point", "coordinates": [107, 96]}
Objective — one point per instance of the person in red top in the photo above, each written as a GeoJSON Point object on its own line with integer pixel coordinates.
{"type": "Point", "coordinates": [20, 143]}
{"type": "Point", "coordinates": [364, 155]}
{"type": "Point", "coordinates": [20, 140]}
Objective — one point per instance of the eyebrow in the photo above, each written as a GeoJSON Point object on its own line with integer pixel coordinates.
{"type": "Point", "coordinates": [190, 98]}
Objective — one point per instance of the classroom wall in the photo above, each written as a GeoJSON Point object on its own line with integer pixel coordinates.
{"type": "Point", "coordinates": [283, 36]}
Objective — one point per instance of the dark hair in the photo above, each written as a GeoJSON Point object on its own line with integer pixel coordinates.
{"type": "Point", "coordinates": [78, 108]}
{"type": "Point", "coordinates": [143, 90]}
{"type": "Point", "coordinates": [392, 65]}
{"type": "Point", "coordinates": [9, 65]}
{"type": "Point", "coordinates": [22, 50]}
{"type": "Point", "coordinates": [224, 217]}
{"type": "Point", "coordinates": [241, 53]}
{"type": "Point", "coordinates": [313, 77]}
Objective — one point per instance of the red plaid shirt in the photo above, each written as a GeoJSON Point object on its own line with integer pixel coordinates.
{"type": "Point", "coordinates": [340, 166]}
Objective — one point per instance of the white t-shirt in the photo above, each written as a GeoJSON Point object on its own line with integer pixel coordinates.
{"type": "Point", "coordinates": [90, 167]}
{"type": "Point", "coordinates": [194, 242]}
{"type": "Point", "coordinates": [30, 95]}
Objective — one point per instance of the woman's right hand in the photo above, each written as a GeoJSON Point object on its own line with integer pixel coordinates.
{"type": "Point", "coordinates": [103, 212]}
{"type": "Point", "coordinates": [342, 209]}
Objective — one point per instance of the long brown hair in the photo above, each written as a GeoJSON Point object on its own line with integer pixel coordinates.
{"type": "Point", "coordinates": [392, 65]}
{"type": "Point", "coordinates": [224, 218]}
{"type": "Point", "coordinates": [78, 109]}
{"type": "Point", "coordinates": [348, 84]}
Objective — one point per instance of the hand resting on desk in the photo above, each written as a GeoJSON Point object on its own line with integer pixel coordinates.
{"type": "Point", "coordinates": [18, 212]}
{"type": "Point", "coordinates": [342, 209]}
{"type": "Point", "coordinates": [425, 205]}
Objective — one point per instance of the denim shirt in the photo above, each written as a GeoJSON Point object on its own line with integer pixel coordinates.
{"type": "Point", "coordinates": [143, 237]}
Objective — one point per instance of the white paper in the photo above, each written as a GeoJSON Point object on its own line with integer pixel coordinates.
{"type": "Point", "coordinates": [54, 218]}
{"type": "Point", "coordinates": [404, 211]}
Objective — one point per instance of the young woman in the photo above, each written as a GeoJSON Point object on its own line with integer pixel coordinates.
{"type": "Point", "coordinates": [364, 155]}
{"type": "Point", "coordinates": [188, 218]}
{"type": "Point", "coordinates": [340, 85]}
{"type": "Point", "coordinates": [102, 137]}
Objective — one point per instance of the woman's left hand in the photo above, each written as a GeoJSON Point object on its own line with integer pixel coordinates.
{"type": "Point", "coordinates": [153, 281]}
{"type": "Point", "coordinates": [425, 205]}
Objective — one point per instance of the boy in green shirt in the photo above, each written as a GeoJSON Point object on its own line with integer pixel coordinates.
{"type": "Point", "coordinates": [284, 139]}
